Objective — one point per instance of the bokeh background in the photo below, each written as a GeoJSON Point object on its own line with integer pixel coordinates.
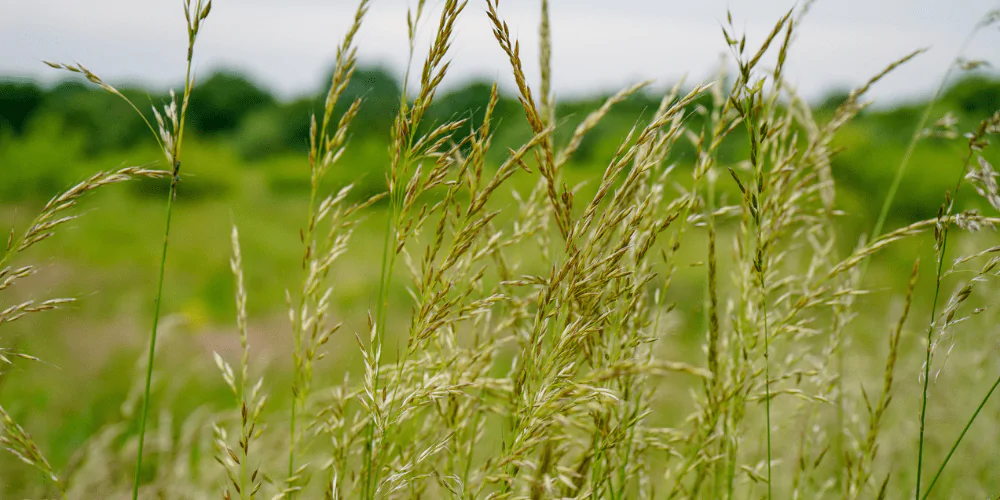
{"type": "Point", "coordinates": [261, 70]}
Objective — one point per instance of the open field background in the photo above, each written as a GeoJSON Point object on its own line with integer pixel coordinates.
{"type": "Point", "coordinates": [246, 164]}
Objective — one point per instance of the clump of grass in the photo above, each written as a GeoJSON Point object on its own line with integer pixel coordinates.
{"type": "Point", "coordinates": [539, 358]}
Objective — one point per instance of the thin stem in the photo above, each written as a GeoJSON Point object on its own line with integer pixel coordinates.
{"type": "Point", "coordinates": [757, 205]}
{"type": "Point", "coordinates": [841, 477]}
{"type": "Point", "coordinates": [930, 328]}
{"type": "Point", "coordinates": [767, 379]}
{"type": "Point", "coordinates": [298, 376]}
{"type": "Point", "coordinates": [884, 213]}
{"type": "Point", "coordinates": [291, 444]}
{"type": "Point", "coordinates": [380, 311]}
{"type": "Point", "coordinates": [388, 256]}
{"type": "Point", "coordinates": [244, 447]}
{"type": "Point", "coordinates": [911, 147]}
{"type": "Point", "coordinates": [959, 440]}
{"type": "Point", "coordinates": [152, 338]}
{"type": "Point", "coordinates": [927, 369]}
{"type": "Point", "coordinates": [174, 157]}
{"type": "Point", "coordinates": [144, 120]}
{"type": "Point", "coordinates": [388, 262]}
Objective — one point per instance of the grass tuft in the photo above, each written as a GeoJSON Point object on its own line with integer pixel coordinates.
{"type": "Point", "coordinates": [687, 324]}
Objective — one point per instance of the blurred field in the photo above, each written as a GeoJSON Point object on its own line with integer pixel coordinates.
{"type": "Point", "coordinates": [245, 164]}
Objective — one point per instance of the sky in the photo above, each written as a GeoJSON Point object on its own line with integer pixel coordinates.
{"type": "Point", "coordinates": [598, 45]}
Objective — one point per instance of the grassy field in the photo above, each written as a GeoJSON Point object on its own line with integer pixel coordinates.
{"type": "Point", "coordinates": [706, 291]}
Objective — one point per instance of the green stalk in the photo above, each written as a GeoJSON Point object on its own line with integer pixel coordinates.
{"type": "Point", "coordinates": [753, 196]}
{"type": "Point", "coordinates": [319, 147]}
{"type": "Point", "coordinates": [200, 14]}
{"type": "Point", "coordinates": [883, 214]}
{"type": "Point", "coordinates": [368, 481]}
{"type": "Point", "coordinates": [244, 487]}
{"type": "Point", "coordinates": [841, 477]}
{"type": "Point", "coordinates": [388, 262]}
{"type": "Point", "coordinates": [291, 445]}
{"type": "Point", "coordinates": [930, 328]}
{"type": "Point", "coordinates": [759, 261]}
{"type": "Point", "coordinates": [297, 328]}
{"type": "Point", "coordinates": [380, 312]}
{"type": "Point", "coordinates": [959, 440]}
{"type": "Point", "coordinates": [927, 364]}
{"type": "Point", "coordinates": [767, 385]}
{"type": "Point", "coordinates": [152, 338]}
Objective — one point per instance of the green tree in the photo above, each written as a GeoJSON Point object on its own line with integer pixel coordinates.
{"type": "Point", "coordinates": [219, 103]}
{"type": "Point", "coordinates": [379, 91]}
{"type": "Point", "coordinates": [18, 100]}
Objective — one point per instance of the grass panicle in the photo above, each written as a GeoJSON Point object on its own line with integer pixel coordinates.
{"type": "Point", "coordinates": [57, 212]}
{"type": "Point", "coordinates": [695, 321]}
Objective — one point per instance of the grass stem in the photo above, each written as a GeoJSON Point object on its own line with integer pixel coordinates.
{"type": "Point", "coordinates": [945, 213]}
{"type": "Point", "coordinates": [152, 338]}
{"type": "Point", "coordinates": [954, 446]}
{"type": "Point", "coordinates": [201, 11]}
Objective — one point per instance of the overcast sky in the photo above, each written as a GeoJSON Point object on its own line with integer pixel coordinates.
{"type": "Point", "coordinates": [599, 45]}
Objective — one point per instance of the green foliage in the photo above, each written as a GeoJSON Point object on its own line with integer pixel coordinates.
{"type": "Point", "coordinates": [380, 93]}
{"type": "Point", "coordinates": [106, 122]}
{"type": "Point", "coordinates": [18, 100]}
{"type": "Point", "coordinates": [552, 297]}
{"type": "Point", "coordinates": [274, 129]}
{"type": "Point", "coordinates": [974, 96]}
{"type": "Point", "coordinates": [42, 160]}
{"type": "Point", "coordinates": [231, 108]}
{"type": "Point", "coordinates": [221, 102]}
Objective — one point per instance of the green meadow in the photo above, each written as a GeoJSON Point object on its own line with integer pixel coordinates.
{"type": "Point", "coordinates": [621, 311]}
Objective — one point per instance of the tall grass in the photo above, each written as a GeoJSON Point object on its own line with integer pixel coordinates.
{"type": "Point", "coordinates": [56, 213]}
{"type": "Point", "coordinates": [539, 354]}
{"type": "Point", "coordinates": [309, 318]}
{"type": "Point", "coordinates": [170, 137]}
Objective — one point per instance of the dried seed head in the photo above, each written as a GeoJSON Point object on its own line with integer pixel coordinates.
{"type": "Point", "coordinates": [985, 182]}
